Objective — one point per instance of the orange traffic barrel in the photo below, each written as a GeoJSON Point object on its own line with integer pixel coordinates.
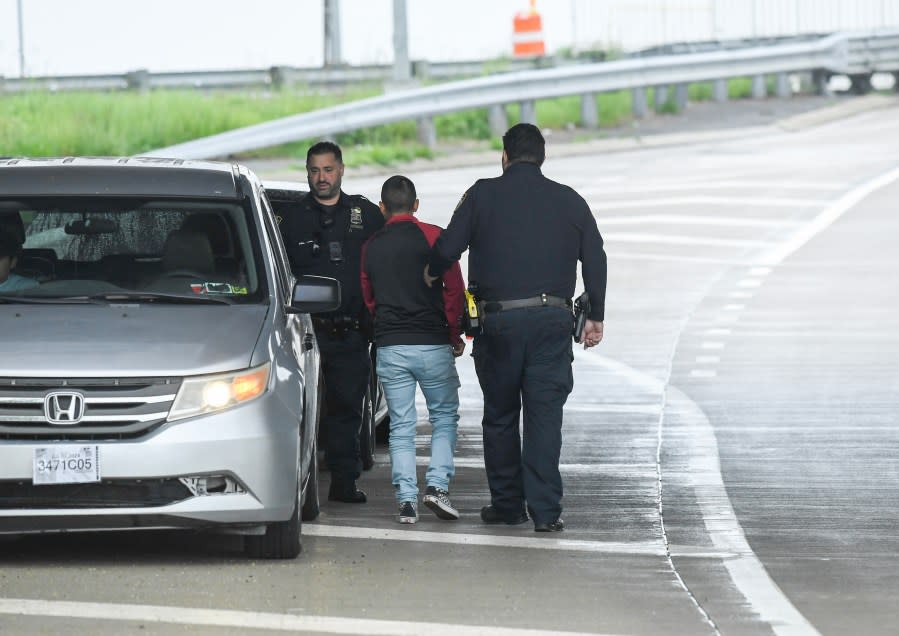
{"type": "Point", "coordinates": [527, 37]}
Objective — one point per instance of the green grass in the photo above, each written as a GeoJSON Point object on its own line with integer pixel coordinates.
{"type": "Point", "coordinates": [112, 124]}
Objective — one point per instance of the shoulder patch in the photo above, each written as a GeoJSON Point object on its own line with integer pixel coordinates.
{"type": "Point", "coordinates": [461, 201]}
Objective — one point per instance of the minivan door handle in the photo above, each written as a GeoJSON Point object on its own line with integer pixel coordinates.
{"type": "Point", "coordinates": [308, 342]}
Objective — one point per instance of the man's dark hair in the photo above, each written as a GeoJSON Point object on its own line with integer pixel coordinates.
{"type": "Point", "coordinates": [9, 244]}
{"type": "Point", "coordinates": [398, 194]}
{"type": "Point", "coordinates": [323, 148]}
{"type": "Point", "coordinates": [524, 142]}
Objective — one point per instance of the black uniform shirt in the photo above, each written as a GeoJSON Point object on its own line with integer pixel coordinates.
{"type": "Point", "coordinates": [327, 241]}
{"type": "Point", "coordinates": [525, 234]}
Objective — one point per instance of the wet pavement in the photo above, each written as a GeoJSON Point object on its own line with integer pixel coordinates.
{"type": "Point", "coordinates": [730, 449]}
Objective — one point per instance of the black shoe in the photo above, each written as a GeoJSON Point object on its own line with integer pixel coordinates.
{"type": "Point", "coordinates": [346, 492]}
{"type": "Point", "coordinates": [551, 526]}
{"type": "Point", "coordinates": [489, 514]}
{"type": "Point", "coordinates": [439, 502]}
{"type": "Point", "coordinates": [407, 512]}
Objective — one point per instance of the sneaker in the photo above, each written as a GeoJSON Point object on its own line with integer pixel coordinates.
{"type": "Point", "coordinates": [439, 502]}
{"type": "Point", "coordinates": [408, 513]}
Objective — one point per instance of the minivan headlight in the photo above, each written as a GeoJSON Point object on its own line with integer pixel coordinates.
{"type": "Point", "coordinates": [210, 393]}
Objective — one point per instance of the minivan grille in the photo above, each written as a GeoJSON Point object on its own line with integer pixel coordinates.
{"type": "Point", "coordinates": [112, 408]}
{"type": "Point", "coordinates": [110, 493]}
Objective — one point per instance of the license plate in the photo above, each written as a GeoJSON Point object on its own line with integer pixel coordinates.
{"type": "Point", "coordinates": [66, 465]}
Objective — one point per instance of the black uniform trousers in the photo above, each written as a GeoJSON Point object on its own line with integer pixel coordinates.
{"type": "Point", "coordinates": [523, 359]}
{"type": "Point", "coordinates": [346, 366]}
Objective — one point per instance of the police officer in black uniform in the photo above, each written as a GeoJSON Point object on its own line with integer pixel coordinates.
{"type": "Point", "coordinates": [324, 234]}
{"type": "Point", "coordinates": [525, 234]}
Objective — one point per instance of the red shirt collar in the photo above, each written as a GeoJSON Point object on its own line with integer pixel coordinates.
{"type": "Point", "coordinates": [399, 218]}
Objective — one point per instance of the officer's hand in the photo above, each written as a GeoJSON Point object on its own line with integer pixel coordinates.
{"type": "Point", "coordinates": [592, 333]}
{"type": "Point", "coordinates": [429, 280]}
{"type": "Point", "coordinates": [458, 349]}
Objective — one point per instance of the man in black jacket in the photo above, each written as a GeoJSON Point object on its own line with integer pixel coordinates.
{"type": "Point", "coordinates": [418, 333]}
{"type": "Point", "coordinates": [525, 235]}
{"type": "Point", "coordinates": [324, 234]}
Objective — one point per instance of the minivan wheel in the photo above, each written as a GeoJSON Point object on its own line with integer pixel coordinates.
{"type": "Point", "coordinates": [310, 501]}
{"type": "Point", "coordinates": [281, 539]}
{"type": "Point", "coordinates": [367, 434]}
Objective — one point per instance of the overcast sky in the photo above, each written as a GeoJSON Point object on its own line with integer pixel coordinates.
{"type": "Point", "coordinates": [71, 37]}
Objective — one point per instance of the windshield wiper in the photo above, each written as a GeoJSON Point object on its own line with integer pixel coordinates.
{"type": "Point", "coordinates": [31, 300]}
{"type": "Point", "coordinates": [149, 297]}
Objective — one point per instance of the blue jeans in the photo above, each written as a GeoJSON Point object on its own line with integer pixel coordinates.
{"type": "Point", "coordinates": [400, 368]}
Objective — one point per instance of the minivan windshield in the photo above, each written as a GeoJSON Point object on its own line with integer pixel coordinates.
{"type": "Point", "coordinates": [132, 249]}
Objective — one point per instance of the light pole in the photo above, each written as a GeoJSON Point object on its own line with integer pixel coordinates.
{"type": "Point", "coordinates": [402, 71]}
{"type": "Point", "coordinates": [21, 39]}
{"type": "Point", "coordinates": [332, 33]}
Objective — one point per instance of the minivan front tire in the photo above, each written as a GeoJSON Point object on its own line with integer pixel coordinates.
{"type": "Point", "coordinates": [281, 539]}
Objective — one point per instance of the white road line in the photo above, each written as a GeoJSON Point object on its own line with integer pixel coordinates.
{"type": "Point", "coordinates": [681, 219]}
{"type": "Point", "coordinates": [734, 307]}
{"type": "Point", "coordinates": [254, 620]}
{"type": "Point", "coordinates": [746, 570]}
{"type": "Point", "coordinates": [712, 345]}
{"type": "Point", "coordinates": [749, 283]}
{"type": "Point", "coordinates": [676, 239]}
{"type": "Point", "coordinates": [739, 294]}
{"type": "Point", "coordinates": [827, 217]}
{"type": "Point", "coordinates": [718, 332]}
{"type": "Point", "coordinates": [764, 202]}
{"type": "Point", "coordinates": [671, 258]}
{"type": "Point", "coordinates": [693, 186]}
{"type": "Point", "coordinates": [707, 359]}
{"type": "Point", "coordinates": [703, 473]}
{"type": "Point", "coordinates": [703, 373]}
{"type": "Point", "coordinates": [648, 548]}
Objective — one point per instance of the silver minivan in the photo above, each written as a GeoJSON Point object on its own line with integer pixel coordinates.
{"type": "Point", "coordinates": [158, 366]}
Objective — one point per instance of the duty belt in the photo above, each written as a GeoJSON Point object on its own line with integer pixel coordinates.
{"type": "Point", "coordinates": [543, 300]}
{"type": "Point", "coordinates": [337, 324]}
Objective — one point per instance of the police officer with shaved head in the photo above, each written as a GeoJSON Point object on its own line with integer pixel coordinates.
{"type": "Point", "coordinates": [324, 234]}
{"type": "Point", "coordinates": [525, 235]}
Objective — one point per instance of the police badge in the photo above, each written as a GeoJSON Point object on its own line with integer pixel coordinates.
{"type": "Point", "coordinates": [355, 218]}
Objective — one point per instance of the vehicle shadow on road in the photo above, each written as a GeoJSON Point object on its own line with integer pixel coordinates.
{"type": "Point", "coordinates": [132, 547]}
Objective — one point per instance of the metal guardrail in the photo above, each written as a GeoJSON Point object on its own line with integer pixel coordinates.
{"type": "Point", "coordinates": [272, 77]}
{"type": "Point", "coordinates": [831, 53]}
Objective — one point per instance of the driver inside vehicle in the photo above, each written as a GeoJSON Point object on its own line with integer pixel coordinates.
{"type": "Point", "coordinates": [9, 252]}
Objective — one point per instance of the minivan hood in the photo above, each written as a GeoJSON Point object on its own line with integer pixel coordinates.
{"type": "Point", "coordinates": [72, 340]}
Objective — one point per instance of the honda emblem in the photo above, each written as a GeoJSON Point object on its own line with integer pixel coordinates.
{"type": "Point", "coordinates": [64, 408]}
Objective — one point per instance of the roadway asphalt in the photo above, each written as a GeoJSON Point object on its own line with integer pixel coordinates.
{"type": "Point", "coordinates": [729, 449]}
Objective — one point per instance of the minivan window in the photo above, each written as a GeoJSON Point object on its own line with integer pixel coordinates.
{"type": "Point", "coordinates": [83, 247]}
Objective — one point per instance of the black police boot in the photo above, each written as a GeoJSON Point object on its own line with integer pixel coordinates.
{"type": "Point", "coordinates": [345, 491]}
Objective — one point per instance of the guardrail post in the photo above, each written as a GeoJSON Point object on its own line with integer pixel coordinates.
{"type": "Point", "coordinates": [681, 96]}
{"type": "Point", "coordinates": [638, 102]}
{"type": "Point", "coordinates": [2, 84]}
{"type": "Point", "coordinates": [861, 83]}
{"type": "Point", "coordinates": [497, 120]}
{"type": "Point", "coordinates": [895, 83]}
{"type": "Point", "coordinates": [427, 132]}
{"type": "Point", "coordinates": [820, 82]}
{"type": "Point", "coordinates": [421, 69]}
{"type": "Point", "coordinates": [783, 88]}
{"type": "Point", "coordinates": [661, 97]}
{"type": "Point", "coordinates": [589, 116]}
{"type": "Point", "coordinates": [278, 77]}
{"type": "Point", "coordinates": [759, 89]}
{"type": "Point", "coordinates": [138, 80]}
{"type": "Point", "coordinates": [529, 112]}
{"type": "Point", "coordinates": [719, 90]}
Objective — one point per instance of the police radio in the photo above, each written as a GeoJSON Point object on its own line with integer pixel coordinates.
{"type": "Point", "coordinates": [471, 320]}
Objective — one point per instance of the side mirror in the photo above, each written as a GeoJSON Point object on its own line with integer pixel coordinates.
{"type": "Point", "coordinates": [315, 294]}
